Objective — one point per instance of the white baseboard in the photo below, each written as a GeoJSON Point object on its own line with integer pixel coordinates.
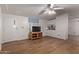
{"type": "Point", "coordinates": [12, 40]}
{"type": "Point", "coordinates": [73, 35]}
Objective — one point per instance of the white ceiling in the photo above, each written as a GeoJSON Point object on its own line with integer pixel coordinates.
{"type": "Point", "coordinates": [22, 9]}
{"type": "Point", "coordinates": [34, 9]}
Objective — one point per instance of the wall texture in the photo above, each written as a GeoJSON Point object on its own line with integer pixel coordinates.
{"type": "Point", "coordinates": [11, 33]}
{"type": "Point", "coordinates": [33, 19]}
{"type": "Point", "coordinates": [22, 27]}
{"type": "Point", "coordinates": [74, 26]}
{"type": "Point", "coordinates": [73, 23]}
{"type": "Point", "coordinates": [0, 28]}
{"type": "Point", "coordinates": [61, 23]}
{"type": "Point", "coordinates": [43, 24]}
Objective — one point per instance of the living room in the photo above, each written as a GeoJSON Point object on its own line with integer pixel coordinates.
{"type": "Point", "coordinates": [20, 22]}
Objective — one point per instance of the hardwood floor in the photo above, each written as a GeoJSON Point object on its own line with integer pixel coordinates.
{"type": "Point", "coordinates": [46, 45]}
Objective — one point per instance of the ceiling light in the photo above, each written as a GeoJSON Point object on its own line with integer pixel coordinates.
{"type": "Point", "coordinates": [51, 12]}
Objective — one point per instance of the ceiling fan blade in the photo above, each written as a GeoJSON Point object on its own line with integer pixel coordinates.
{"type": "Point", "coordinates": [48, 5]}
{"type": "Point", "coordinates": [48, 8]}
{"type": "Point", "coordinates": [42, 12]}
{"type": "Point", "coordinates": [58, 8]}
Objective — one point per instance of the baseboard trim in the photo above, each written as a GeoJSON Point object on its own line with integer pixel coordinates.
{"type": "Point", "coordinates": [13, 41]}
{"type": "Point", "coordinates": [56, 38]}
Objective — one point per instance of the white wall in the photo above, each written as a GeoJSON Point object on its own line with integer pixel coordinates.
{"type": "Point", "coordinates": [20, 32]}
{"type": "Point", "coordinates": [74, 26]}
{"type": "Point", "coordinates": [12, 34]}
{"type": "Point", "coordinates": [74, 23]}
{"type": "Point", "coordinates": [61, 27]}
{"type": "Point", "coordinates": [0, 28]}
{"type": "Point", "coordinates": [43, 24]}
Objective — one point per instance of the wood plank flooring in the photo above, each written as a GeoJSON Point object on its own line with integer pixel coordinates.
{"type": "Point", "coordinates": [46, 45]}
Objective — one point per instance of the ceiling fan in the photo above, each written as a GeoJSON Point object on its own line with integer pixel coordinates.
{"type": "Point", "coordinates": [50, 9]}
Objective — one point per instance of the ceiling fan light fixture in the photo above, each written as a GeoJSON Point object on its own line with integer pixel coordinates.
{"type": "Point", "coordinates": [51, 12]}
{"type": "Point", "coordinates": [51, 5]}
